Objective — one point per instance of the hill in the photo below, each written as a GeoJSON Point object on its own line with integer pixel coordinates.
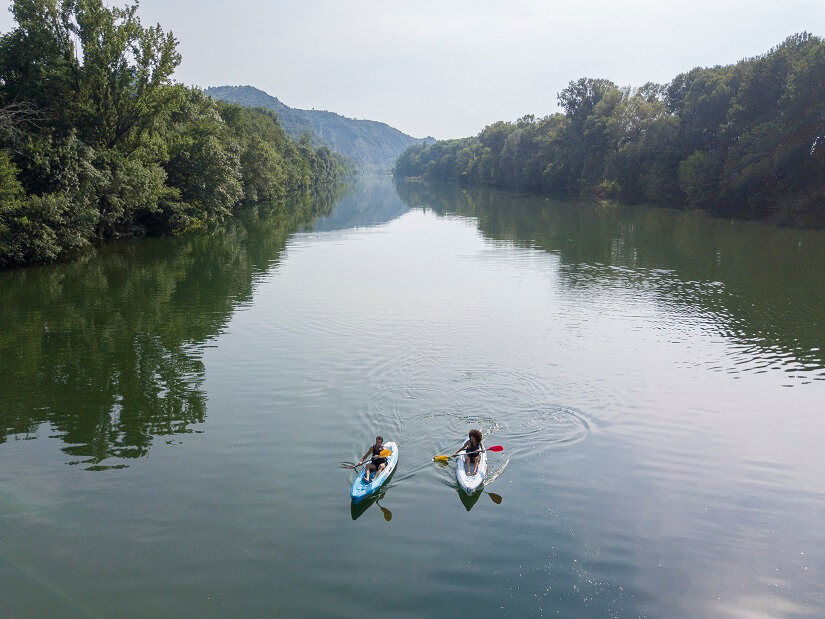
{"type": "Point", "coordinates": [373, 146]}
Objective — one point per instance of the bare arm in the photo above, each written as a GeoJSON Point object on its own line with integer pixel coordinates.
{"type": "Point", "coordinates": [463, 447]}
{"type": "Point", "coordinates": [364, 457]}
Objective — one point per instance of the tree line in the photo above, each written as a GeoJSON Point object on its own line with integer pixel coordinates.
{"type": "Point", "coordinates": [743, 136]}
{"type": "Point", "coordinates": [98, 141]}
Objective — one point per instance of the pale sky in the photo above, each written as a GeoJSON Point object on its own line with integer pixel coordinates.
{"type": "Point", "coordinates": [447, 68]}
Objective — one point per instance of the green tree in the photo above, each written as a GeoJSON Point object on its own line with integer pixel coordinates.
{"type": "Point", "coordinates": [98, 142]}
{"type": "Point", "coordinates": [735, 137]}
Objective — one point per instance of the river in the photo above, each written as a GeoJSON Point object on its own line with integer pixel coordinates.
{"type": "Point", "coordinates": [173, 413]}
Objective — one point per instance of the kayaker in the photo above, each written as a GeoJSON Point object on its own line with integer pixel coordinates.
{"type": "Point", "coordinates": [472, 448]}
{"type": "Point", "coordinates": [377, 463]}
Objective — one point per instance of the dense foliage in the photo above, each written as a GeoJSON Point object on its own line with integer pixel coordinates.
{"type": "Point", "coordinates": [373, 146]}
{"type": "Point", "coordinates": [745, 135]}
{"type": "Point", "coordinates": [97, 141]}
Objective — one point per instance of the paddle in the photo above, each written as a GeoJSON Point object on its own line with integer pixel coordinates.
{"type": "Point", "coordinates": [384, 453]}
{"type": "Point", "coordinates": [496, 498]}
{"type": "Point", "coordinates": [446, 458]}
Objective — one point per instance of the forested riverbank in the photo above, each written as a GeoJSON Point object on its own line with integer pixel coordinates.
{"type": "Point", "coordinates": [97, 141]}
{"type": "Point", "coordinates": [741, 138]}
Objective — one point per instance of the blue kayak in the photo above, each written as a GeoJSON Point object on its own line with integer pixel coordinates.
{"type": "Point", "coordinates": [361, 490]}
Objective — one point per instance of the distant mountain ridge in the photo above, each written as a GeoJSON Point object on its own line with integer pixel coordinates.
{"type": "Point", "coordinates": [373, 146]}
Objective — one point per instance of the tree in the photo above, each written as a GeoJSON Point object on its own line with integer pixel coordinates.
{"type": "Point", "coordinates": [734, 137]}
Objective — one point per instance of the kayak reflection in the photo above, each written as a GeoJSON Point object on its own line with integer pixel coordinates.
{"type": "Point", "coordinates": [357, 509]}
{"type": "Point", "coordinates": [469, 500]}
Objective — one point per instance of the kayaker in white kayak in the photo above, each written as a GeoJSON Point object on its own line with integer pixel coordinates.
{"type": "Point", "coordinates": [473, 448]}
{"type": "Point", "coordinates": [377, 463]}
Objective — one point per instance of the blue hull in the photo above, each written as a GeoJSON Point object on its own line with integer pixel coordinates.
{"type": "Point", "coordinates": [360, 491]}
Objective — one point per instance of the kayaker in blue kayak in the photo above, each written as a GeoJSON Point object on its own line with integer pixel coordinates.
{"type": "Point", "coordinates": [473, 448]}
{"type": "Point", "coordinates": [377, 463]}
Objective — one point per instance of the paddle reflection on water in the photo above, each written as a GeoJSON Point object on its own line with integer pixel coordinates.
{"type": "Point", "coordinates": [387, 513]}
{"type": "Point", "coordinates": [358, 509]}
{"type": "Point", "coordinates": [496, 498]}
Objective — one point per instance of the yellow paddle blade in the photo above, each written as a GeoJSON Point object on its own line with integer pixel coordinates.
{"type": "Point", "coordinates": [385, 453]}
{"type": "Point", "coordinates": [441, 458]}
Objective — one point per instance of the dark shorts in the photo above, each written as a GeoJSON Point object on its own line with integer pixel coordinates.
{"type": "Point", "coordinates": [376, 462]}
{"type": "Point", "coordinates": [473, 457]}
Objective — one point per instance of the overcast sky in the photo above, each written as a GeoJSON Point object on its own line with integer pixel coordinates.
{"type": "Point", "coordinates": [447, 68]}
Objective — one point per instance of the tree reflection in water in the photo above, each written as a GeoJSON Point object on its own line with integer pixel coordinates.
{"type": "Point", "coordinates": [107, 349]}
{"type": "Point", "coordinates": [761, 285]}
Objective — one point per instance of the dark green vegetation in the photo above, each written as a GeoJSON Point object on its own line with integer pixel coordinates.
{"type": "Point", "coordinates": [98, 142]}
{"type": "Point", "coordinates": [373, 146]}
{"type": "Point", "coordinates": [744, 136]}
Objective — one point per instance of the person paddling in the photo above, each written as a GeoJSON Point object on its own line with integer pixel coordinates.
{"type": "Point", "coordinates": [472, 448]}
{"type": "Point", "coordinates": [377, 463]}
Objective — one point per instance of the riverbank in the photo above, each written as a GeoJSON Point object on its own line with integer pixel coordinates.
{"type": "Point", "coordinates": [743, 139]}
{"type": "Point", "coordinates": [800, 217]}
{"type": "Point", "coordinates": [104, 144]}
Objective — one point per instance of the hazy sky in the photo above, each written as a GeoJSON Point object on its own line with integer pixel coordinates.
{"type": "Point", "coordinates": [448, 68]}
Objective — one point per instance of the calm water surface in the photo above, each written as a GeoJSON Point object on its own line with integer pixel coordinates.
{"type": "Point", "coordinates": [173, 413]}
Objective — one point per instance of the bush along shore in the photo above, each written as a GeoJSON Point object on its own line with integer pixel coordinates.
{"type": "Point", "coordinates": [97, 141]}
{"type": "Point", "coordinates": [744, 138]}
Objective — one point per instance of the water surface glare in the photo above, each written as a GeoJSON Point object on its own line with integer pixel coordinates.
{"type": "Point", "coordinates": [173, 413]}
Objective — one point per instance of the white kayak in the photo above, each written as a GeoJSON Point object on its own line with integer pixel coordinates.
{"type": "Point", "coordinates": [361, 490]}
{"type": "Point", "coordinates": [471, 483]}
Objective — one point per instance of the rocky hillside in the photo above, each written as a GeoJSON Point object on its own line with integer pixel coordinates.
{"type": "Point", "coordinates": [373, 146]}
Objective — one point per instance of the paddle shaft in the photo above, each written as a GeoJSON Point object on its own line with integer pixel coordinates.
{"type": "Point", "coordinates": [384, 453]}
{"type": "Point", "coordinates": [463, 453]}
{"type": "Point", "coordinates": [467, 453]}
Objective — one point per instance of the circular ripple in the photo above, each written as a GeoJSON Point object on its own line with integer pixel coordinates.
{"type": "Point", "coordinates": [542, 429]}
{"type": "Point", "coordinates": [518, 410]}
{"type": "Point", "coordinates": [522, 409]}
{"type": "Point", "coordinates": [406, 401]}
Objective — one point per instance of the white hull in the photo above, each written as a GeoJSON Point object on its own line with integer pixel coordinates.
{"type": "Point", "coordinates": [471, 483]}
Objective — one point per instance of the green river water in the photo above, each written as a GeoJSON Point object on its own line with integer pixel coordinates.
{"type": "Point", "coordinates": [173, 413]}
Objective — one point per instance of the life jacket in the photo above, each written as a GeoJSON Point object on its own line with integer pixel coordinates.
{"type": "Point", "coordinates": [476, 450]}
{"type": "Point", "coordinates": [376, 459]}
